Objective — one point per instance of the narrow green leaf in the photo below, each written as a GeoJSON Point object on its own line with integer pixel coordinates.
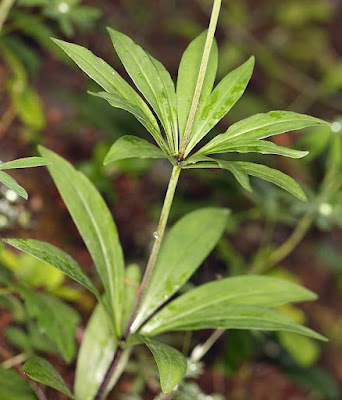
{"type": "Point", "coordinates": [260, 126]}
{"type": "Point", "coordinates": [14, 387]}
{"type": "Point", "coordinates": [56, 319]}
{"type": "Point", "coordinates": [221, 100]}
{"type": "Point", "coordinates": [96, 226]}
{"type": "Point", "coordinates": [240, 175]}
{"type": "Point", "coordinates": [183, 250]}
{"type": "Point", "coordinates": [55, 257]}
{"type": "Point", "coordinates": [42, 371]}
{"type": "Point", "coordinates": [149, 77]}
{"type": "Point", "coordinates": [12, 184]}
{"type": "Point", "coordinates": [132, 282]}
{"type": "Point", "coordinates": [95, 355]}
{"type": "Point", "coordinates": [247, 290]}
{"type": "Point", "coordinates": [24, 163]}
{"type": "Point", "coordinates": [116, 100]}
{"type": "Point", "coordinates": [172, 365]}
{"type": "Point", "coordinates": [187, 78]}
{"type": "Point", "coordinates": [303, 349]}
{"type": "Point", "coordinates": [274, 176]}
{"type": "Point", "coordinates": [130, 147]}
{"type": "Point", "coordinates": [238, 316]}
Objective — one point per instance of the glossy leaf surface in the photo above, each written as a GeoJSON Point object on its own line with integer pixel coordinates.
{"type": "Point", "coordinates": [55, 257]}
{"type": "Point", "coordinates": [260, 126]}
{"type": "Point", "coordinates": [42, 371]}
{"type": "Point", "coordinates": [24, 163]}
{"type": "Point", "coordinates": [172, 365]}
{"type": "Point", "coordinates": [12, 184]}
{"type": "Point", "coordinates": [221, 100]}
{"type": "Point", "coordinates": [96, 226]}
{"type": "Point", "coordinates": [183, 250]}
{"type": "Point", "coordinates": [130, 147]}
{"type": "Point", "coordinates": [187, 79]}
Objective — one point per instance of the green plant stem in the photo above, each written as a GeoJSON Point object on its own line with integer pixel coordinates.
{"type": "Point", "coordinates": [201, 75]}
{"type": "Point", "coordinates": [159, 234]}
{"type": "Point", "coordinates": [5, 7]}
{"type": "Point", "coordinates": [14, 361]}
{"type": "Point", "coordinates": [286, 248]}
{"type": "Point", "coordinates": [199, 351]}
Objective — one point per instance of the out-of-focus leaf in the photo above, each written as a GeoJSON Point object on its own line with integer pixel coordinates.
{"type": "Point", "coordinates": [12, 184]}
{"type": "Point", "coordinates": [187, 79]}
{"type": "Point", "coordinates": [96, 226]}
{"type": "Point", "coordinates": [42, 371]}
{"type": "Point", "coordinates": [183, 250]}
{"type": "Point", "coordinates": [27, 162]}
{"type": "Point", "coordinates": [29, 108]}
{"type": "Point", "coordinates": [14, 387]}
{"type": "Point", "coordinates": [130, 147]}
{"type": "Point", "coordinates": [132, 281]}
{"type": "Point", "coordinates": [172, 365]}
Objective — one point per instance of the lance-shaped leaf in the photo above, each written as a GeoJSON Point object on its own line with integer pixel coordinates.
{"type": "Point", "coordinates": [12, 184]}
{"type": "Point", "coordinates": [42, 371]}
{"type": "Point", "coordinates": [172, 365]}
{"type": "Point", "coordinates": [131, 146]}
{"type": "Point", "coordinates": [187, 78]}
{"type": "Point", "coordinates": [237, 316]}
{"type": "Point", "coordinates": [260, 126]}
{"type": "Point", "coordinates": [221, 100]}
{"type": "Point", "coordinates": [55, 257]}
{"type": "Point", "coordinates": [104, 75]}
{"type": "Point", "coordinates": [149, 77]}
{"type": "Point", "coordinates": [95, 355]}
{"type": "Point", "coordinates": [24, 163]}
{"type": "Point", "coordinates": [56, 319]}
{"type": "Point", "coordinates": [96, 226]}
{"type": "Point", "coordinates": [116, 100]}
{"type": "Point", "coordinates": [250, 290]}
{"type": "Point", "coordinates": [272, 175]}
{"type": "Point", "coordinates": [183, 250]}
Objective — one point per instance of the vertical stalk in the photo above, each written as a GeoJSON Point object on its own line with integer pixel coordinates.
{"type": "Point", "coordinates": [201, 75]}
{"type": "Point", "coordinates": [159, 234]}
{"type": "Point", "coordinates": [5, 7]}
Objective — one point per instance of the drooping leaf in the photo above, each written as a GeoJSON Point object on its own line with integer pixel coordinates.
{"type": "Point", "coordinates": [246, 290]}
{"type": "Point", "coordinates": [221, 100]}
{"type": "Point", "coordinates": [240, 175]}
{"type": "Point", "coordinates": [130, 147]}
{"type": "Point", "coordinates": [56, 319]}
{"type": "Point", "coordinates": [24, 163]}
{"type": "Point", "coordinates": [42, 371]}
{"type": "Point", "coordinates": [103, 74]}
{"type": "Point", "coordinates": [172, 365]}
{"type": "Point", "coordinates": [14, 387]}
{"type": "Point", "coordinates": [183, 250]}
{"type": "Point", "coordinates": [96, 226]}
{"type": "Point", "coordinates": [116, 100]}
{"type": "Point", "coordinates": [55, 257]}
{"type": "Point", "coordinates": [12, 184]}
{"type": "Point", "coordinates": [260, 126]}
{"type": "Point", "coordinates": [187, 79]}
{"type": "Point", "coordinates": [95, 355]}
{"type": "Point", "coordinates": [153, 82]}
{"type": "Point", "coordinates": [274, 176]}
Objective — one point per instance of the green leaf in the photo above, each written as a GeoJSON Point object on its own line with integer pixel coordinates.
{"type": "Point", "coordinates": [108, 79]}
{"type": "Point", "coordinates": [246, 290]}
{"type": "Point", "coordinates": [131, 146]}
{"type": "Point", "coordinates": [183, 250]}
{"type": "Point", "coordinates": [260, 126]}
{"type": "Point", "coordinates": [187, 79]}
{"type": "Point", "coordinates": [12, 184]}
{"type": "Point", "coordinates": [221, 100]}
{"type": "Point", "coordinates": [14, 387]}
{"type": "Point", "coordinates": [27, 162]}
{"type": "Point", "coordinates": [55, 257]}
{"type": "Point", "coordinates": [172, 365]}
{"type": "Point", "coordinates": [56, 319]}
{"type": "Point", "coordinates": [116, 100]}
{"type": "Point", "coordinates": [274, 176]}
{"type": "Point", "coordinates": [29, 108]}
{"type": "Point", "coordinates": [42, 371]}
{"type": "Point", "coordinates": [240, 175]}
{"type": "Point", "coordinates": [132, 281]}
{"type": "Point", "coordinates": [150, 78]}
{"type": "Point", "coordinates": [96, 352]}
{"type": "Point", "coordinates": [96, 226]}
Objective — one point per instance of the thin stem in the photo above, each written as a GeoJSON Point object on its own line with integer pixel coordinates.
{"type": "Point", "coordinates": [201, 75]}
{"type": "Point", "coordinates": [5, 7]}
{"type": "Point", "coordinates": [149, 268]}
{"type": "Point", "coordinates": [14, 361]}
{"type": "Point", "coordinates": [199, 351]}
